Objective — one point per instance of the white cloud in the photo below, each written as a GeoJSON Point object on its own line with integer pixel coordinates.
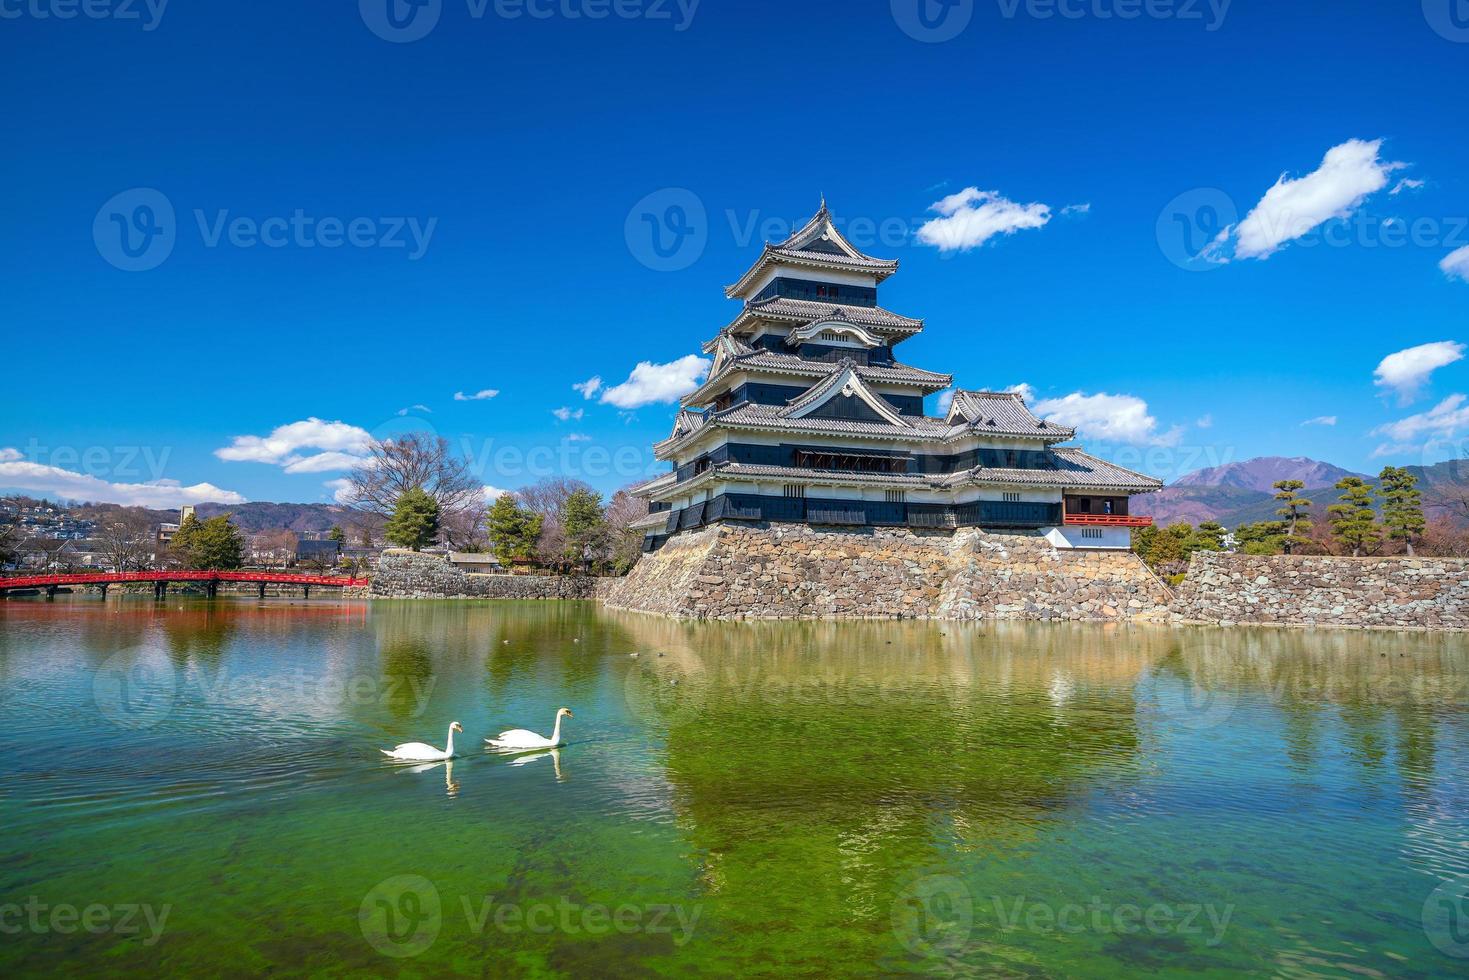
{"type": "Point", "coordinates": [1111, 418]}
{"type": "Point", "coordinates": [1406, 184]}
{"type": "Point", "coordinates": [568, 414]}
{"type": "Point", "coordinates": [493, 494]}
{"type": "Point", "coordinates": [1207, 422]}
{"type": "Point", "coordinates": [341, 490]}
{"type": "Point", "coordinates": [1443, 421]}
{"type": "Point", "coordinates": [415, 408]}
{"type": "Point", "coordinates": [323, 463]}
{"type": "Point", "coordinates": [946, 398]}
{"type": "Point", "coordinates": [1348, 175]}
{"type": "Point", "coordinates": [17, 474]}
{"type": "Point", "coordinates": [652, 383]}
{"type": "Point", "coordinates": [478, 396]}
{"type": "Point", "coordinates": [589, 387]}
{"type": "Point", "coordinates": [578, 437]}
{"type": "Point", "coordinates": [1071, 209]}
{"type": "Point", "coordinates": [1321, 420]}
{"type": "Point", "coordinates": [1407, 371]}
{"type": "Point", "coordinates": [1455, 265]}
{"type": "Point", "coordinates": [972, 217]}
{"type": "Point", "coordinates": [284, 445]}
{"type": "Point", "coordinates": [1024, 390]}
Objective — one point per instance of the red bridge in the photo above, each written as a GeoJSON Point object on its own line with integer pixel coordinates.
{"type": "Point", "coordinates": [160, 580]}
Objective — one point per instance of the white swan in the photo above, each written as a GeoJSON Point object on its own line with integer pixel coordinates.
{"type": "Point", "coordinates": [419, 752]}
{"type": "Point", "coordinates": [519, 738]}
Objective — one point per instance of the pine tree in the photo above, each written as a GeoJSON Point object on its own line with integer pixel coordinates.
{"type": "Point", "coordinates": [337, 534]}
{"type": "Point", "coordinates": [585, 524]}
{"type": "Point", "coordinates": [1353, 522]}
{"type": "Point", "coordinates": [1292, 509]}
{"type": "Point", "coordinates": [513, 530]}
{"type": "Point", "coordinates": [1209, 536]}
{"type": "Point", "coordinates": [213, 544]}
{"type": "Point", "coordinates": [1262, 538]}
{"type": "Point", "coordinates": [415, 520]}
{"type": "Point", "coordinates": [1402, 506]}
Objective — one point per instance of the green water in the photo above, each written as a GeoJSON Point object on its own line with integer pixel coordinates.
{"type": "Point", "coordinates": [807, 799]}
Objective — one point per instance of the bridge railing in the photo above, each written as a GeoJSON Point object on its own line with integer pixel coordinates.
{"type": "Point", "coordinates": [110, 578]}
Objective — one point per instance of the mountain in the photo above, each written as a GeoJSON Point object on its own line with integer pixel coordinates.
{"type": "Point", "coordinates": [1240, 493]}
{"type": "Point", "coordinates": [255, 516]}
{"type": "Point", "coordinates": [1261, 473]}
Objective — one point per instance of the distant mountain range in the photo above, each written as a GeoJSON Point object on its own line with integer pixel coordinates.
{"type": "Point", "coordinates": [1241, 493]}
{"type": "Point", "coordinates": [263, 516]}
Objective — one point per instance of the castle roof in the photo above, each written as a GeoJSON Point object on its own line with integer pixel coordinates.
{"type": "Point", "coordinates": [782, 309]}
{"type": "Point", "coordinates": [1003, 413]}
{"type": "Point", "coordinates": [817, 245]}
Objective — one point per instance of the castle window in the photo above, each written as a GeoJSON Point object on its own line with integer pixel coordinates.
{"type": "Point", "coordinates": [1012, 498]}
{"type": "Point", "coordinates": [796, 491]}
{"type": "Point", "coordinates": [895, 496]}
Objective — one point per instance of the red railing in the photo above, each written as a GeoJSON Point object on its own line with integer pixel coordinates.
{"type": "Point", "coordinates": [1108, 520]}
{"type": "Point", "coordinates": [108, 578]}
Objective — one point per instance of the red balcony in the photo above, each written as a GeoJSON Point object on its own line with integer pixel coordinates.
{"type": "Point", "coordinates": [1107, 520]}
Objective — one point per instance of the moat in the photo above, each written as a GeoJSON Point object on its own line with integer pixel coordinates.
{"type": "Point", "coordinates": [815, 799]}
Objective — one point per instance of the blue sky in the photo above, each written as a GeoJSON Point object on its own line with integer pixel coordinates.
{"type": "Point", "coordinates": [475, 210]}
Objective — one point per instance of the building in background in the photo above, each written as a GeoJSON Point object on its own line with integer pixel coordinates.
{"type": "Point", "coordinates": [809, 417]}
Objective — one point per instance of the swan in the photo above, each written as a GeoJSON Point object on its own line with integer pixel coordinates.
{"type": "Point", "coordinates": [419, 752]}
{"type": "Point", "coordinates": [519, 738]}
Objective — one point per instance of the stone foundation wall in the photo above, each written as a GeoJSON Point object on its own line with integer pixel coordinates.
{"type": "Point", "coordinates": [1353, 593]}
{"type": "Point", "coordinates": [793, 571]}
{"type": "Point", "coordinates": [411, 575]}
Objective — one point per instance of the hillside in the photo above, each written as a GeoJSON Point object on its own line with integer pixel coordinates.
{"type": "Point", "coordinates": [1239, 493]}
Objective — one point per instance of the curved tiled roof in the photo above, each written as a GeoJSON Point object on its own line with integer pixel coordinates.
{"type": "Point", "coordinates": [820, 244]}
{"type": "Point", "coordinates": [1003, 413]}
{"type": "Point", "coordinates": [805, 311]}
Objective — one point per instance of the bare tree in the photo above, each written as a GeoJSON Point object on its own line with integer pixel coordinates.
{"type": "Point", "coordinates": [278, 545]}
{"type": "Point", "coordinates": [125, 538]}
{"type": "Point", "coordinates": [548, 498]}
{"type": "Point", "coordinates": [9, 538]}
{"type": "Point", "coordinates": [626, 543]}
{"type": "Point", "coordinates": [417, 459]}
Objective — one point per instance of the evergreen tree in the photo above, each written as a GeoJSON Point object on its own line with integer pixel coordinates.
{"type": "Point", "coordinates": [1262, 538]}
{"type": "Point", "coordinates": [513, 530]}
{"type": "Point", "coordinates": [1353, 522]}
{"type": "Point", "coordinates": [1402, 506]}
{"type": "Point", "coordinates": [1292, 509]}
{"type": "Point", "coordinates": [585, 524]}
{"type": "Point", "coordinates": [415, 520]}
{"type": "Point", "coordinates": [213, 544]}
{"type": "Point", "coordinates": [337, 534]}
{"type": "Point", "coordinates": [1209, 536]}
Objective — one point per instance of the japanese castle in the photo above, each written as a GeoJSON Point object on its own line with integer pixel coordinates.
{"type": "Point", "coordinates": [808, 417]}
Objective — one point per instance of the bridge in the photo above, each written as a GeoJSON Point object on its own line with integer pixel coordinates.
{"type": "Point", "coordinates": [160, 580]}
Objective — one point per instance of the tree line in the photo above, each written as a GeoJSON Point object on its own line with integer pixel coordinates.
{"type": "Point", "coordinates": [1385, 518]}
